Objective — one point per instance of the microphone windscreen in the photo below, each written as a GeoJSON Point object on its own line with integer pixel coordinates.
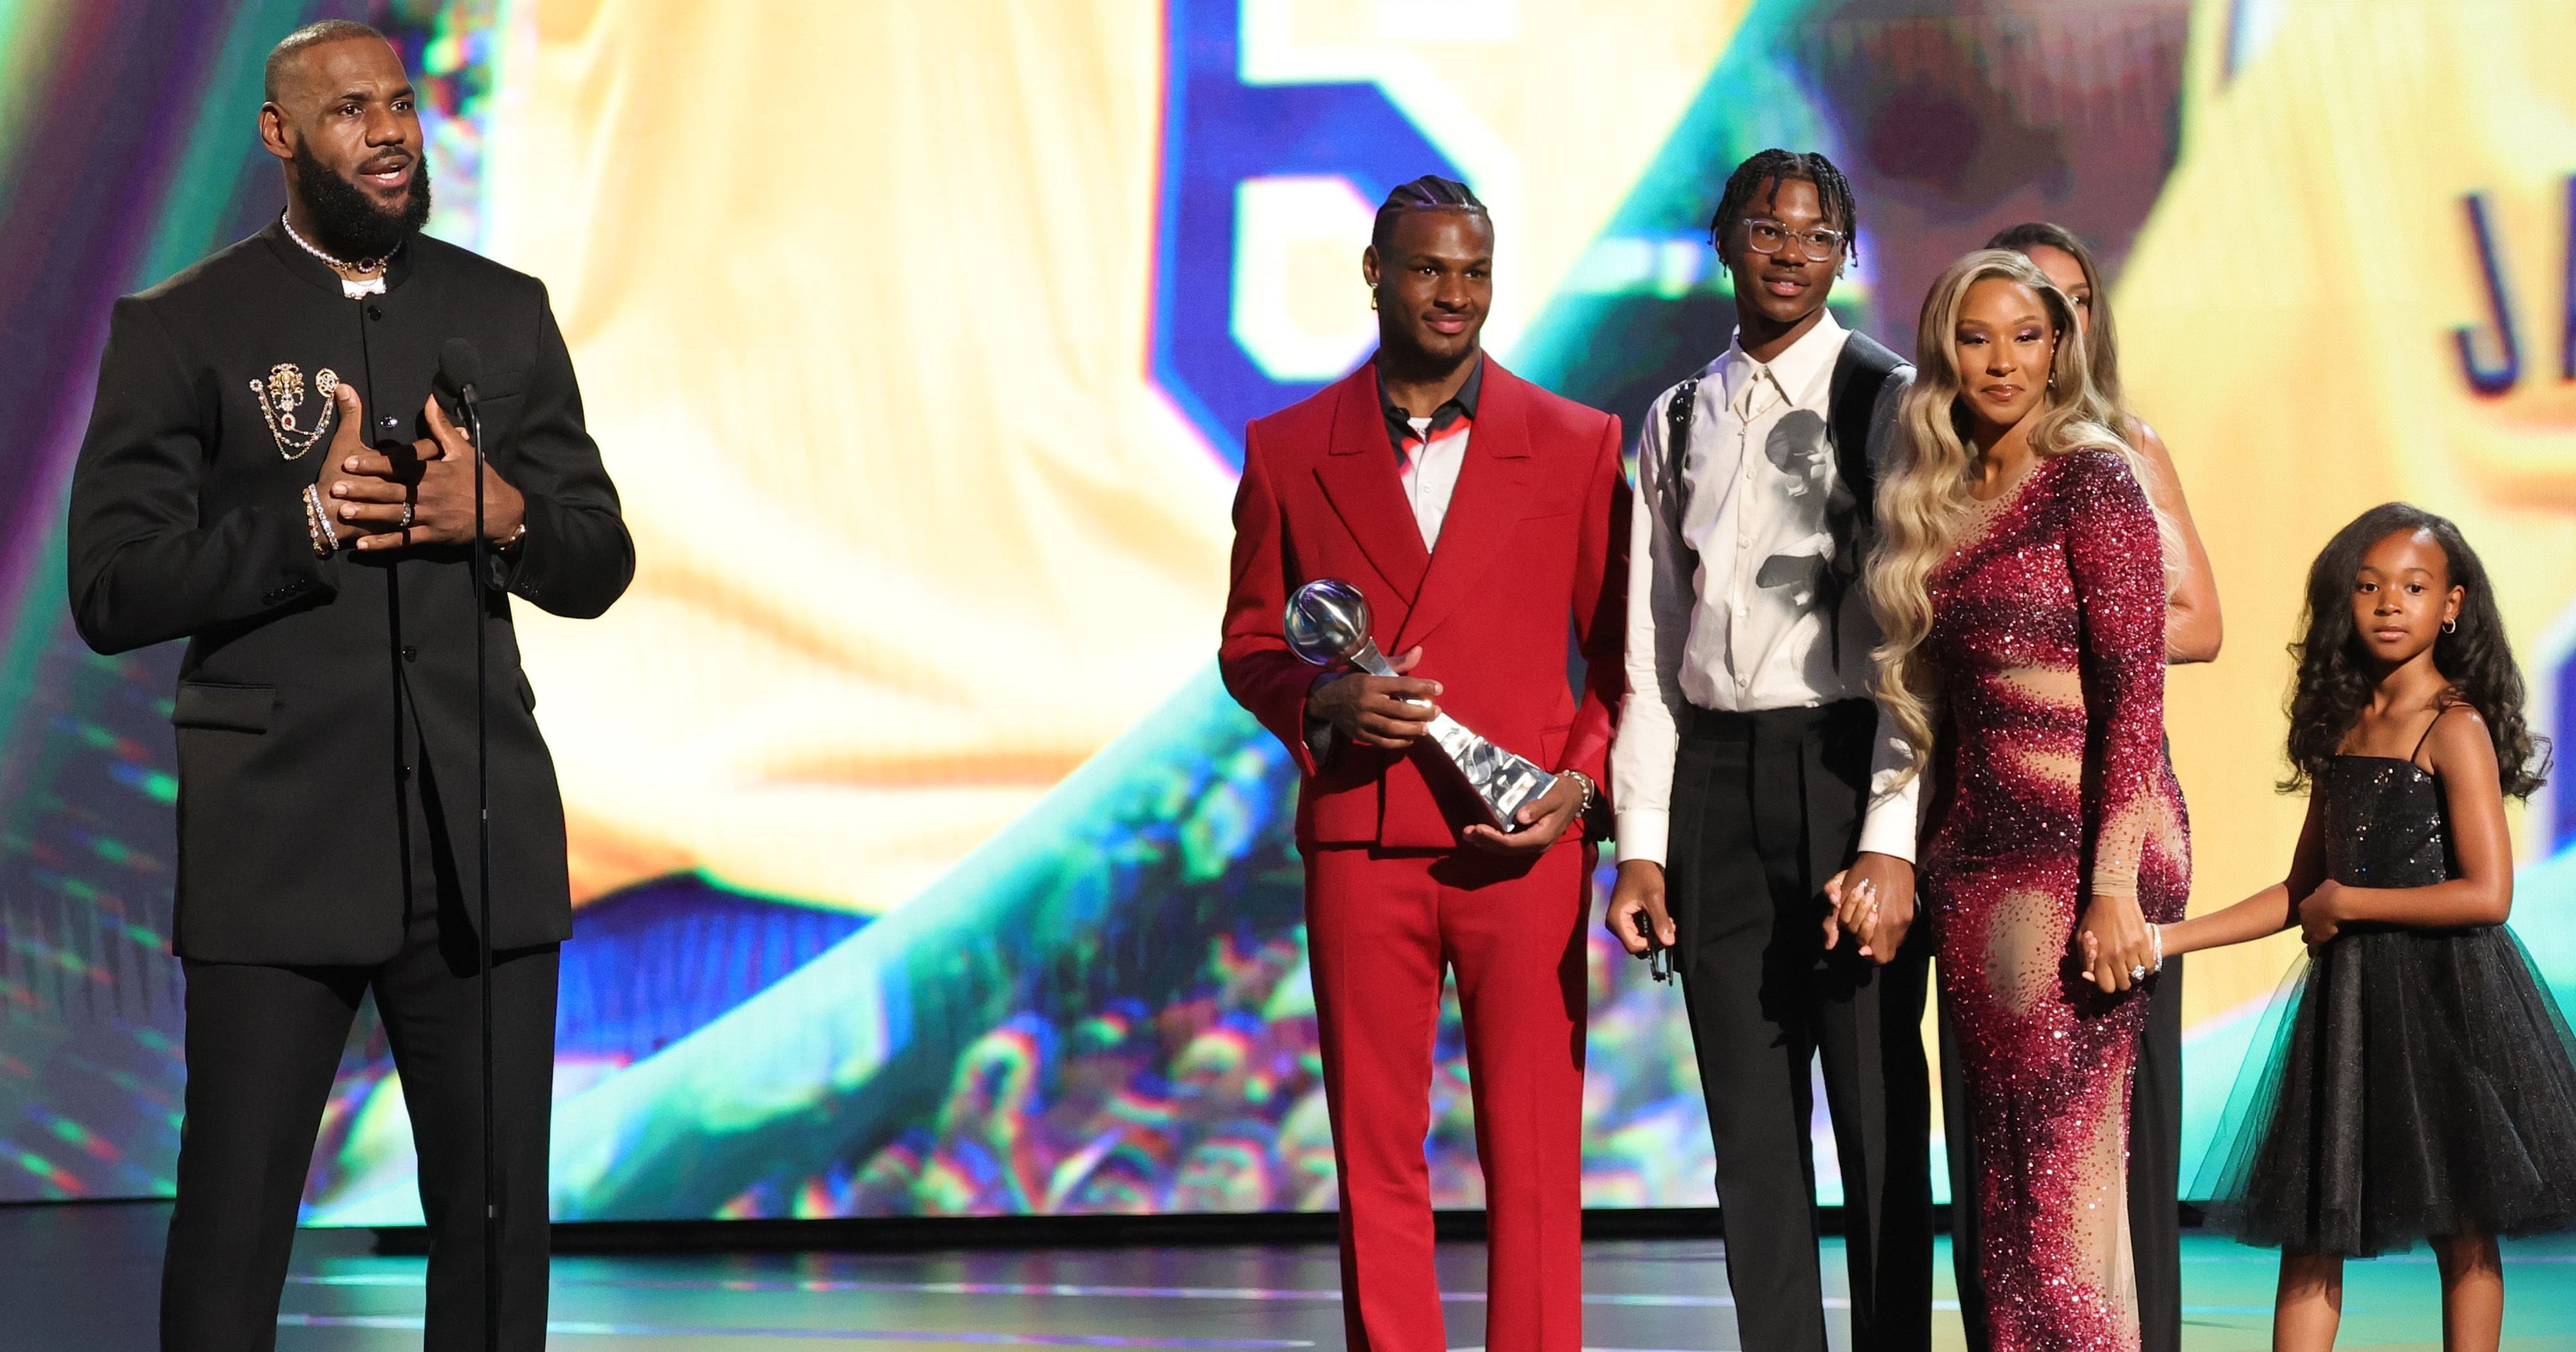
{"type": "Point", "coordinates": [459, 366]}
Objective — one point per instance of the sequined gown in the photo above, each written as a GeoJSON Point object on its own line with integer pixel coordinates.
{"type": "Point", "coordinates": [2050, 783]}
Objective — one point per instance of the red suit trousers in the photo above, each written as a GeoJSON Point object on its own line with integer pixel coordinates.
{"type": "Point", "coordinates": [1380, 925]}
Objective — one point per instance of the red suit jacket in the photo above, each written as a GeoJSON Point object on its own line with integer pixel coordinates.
{"type": "Point", "coordinates": [1534, 548]}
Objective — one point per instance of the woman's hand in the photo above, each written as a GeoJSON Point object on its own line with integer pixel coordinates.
{"type": "Point", "coordinates": [2322, 914]}
{"type": "Point", "coordinates": [1873, 902]}
{"type": "Point", "coordinates": [2112, 938]}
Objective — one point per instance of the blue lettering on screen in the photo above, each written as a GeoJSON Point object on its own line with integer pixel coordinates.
{"type": "Point", "coordinates": [2489, 378]}
{"type": "Point", "coordinates": [2494, 377]}
{"type": "Point", "coordinates": [1218, 132]}
{"type": "Point", "coordinates": [2567, 293]}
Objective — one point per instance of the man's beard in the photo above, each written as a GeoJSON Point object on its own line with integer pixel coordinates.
{"type": "Point", "coordinates": [347, 223]}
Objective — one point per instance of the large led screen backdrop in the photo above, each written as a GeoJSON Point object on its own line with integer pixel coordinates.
{"type": "Point", "coordinates": [922, 865]}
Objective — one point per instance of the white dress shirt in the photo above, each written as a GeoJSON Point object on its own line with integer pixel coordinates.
{"type": "Point", "coordinates": [1430, 473]}
{"type": "Point", "coordinates": [1750, 631]}
{"type": "Point", "coordinates": [1427, 465]}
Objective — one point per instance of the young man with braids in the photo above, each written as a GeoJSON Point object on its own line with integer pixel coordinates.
{"type": "Point", "coordinates": [1752, 774]}
{"type": "Point", "coordinates": [1483, 518]}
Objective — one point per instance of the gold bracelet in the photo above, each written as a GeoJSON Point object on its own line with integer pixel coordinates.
{"type": "Point", "coordinates": [505, 545]}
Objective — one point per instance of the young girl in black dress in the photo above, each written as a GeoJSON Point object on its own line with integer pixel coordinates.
{"type": "Point", "coordinates": [2422, 1084]}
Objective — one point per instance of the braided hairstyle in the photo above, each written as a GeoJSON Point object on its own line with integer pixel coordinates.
{"type": "Point", "coordinates": [1427, 193]}
{"type": "Point", "coordinates": [1781, 166]}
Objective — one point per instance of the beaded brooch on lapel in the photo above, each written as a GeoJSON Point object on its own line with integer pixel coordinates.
{"type": "Point", "coordinates": [282, 394]}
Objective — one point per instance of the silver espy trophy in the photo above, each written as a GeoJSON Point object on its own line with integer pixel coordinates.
{"type": "Point", "coordinates": [1328, 623]}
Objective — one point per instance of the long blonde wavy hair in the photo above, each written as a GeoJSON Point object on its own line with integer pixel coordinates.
{"type": "Point", "coordinates": [1923, 494]}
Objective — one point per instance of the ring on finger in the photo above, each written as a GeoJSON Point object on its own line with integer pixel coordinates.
{"type": "Point", "coordinates": [2137, 971]}
{"type": "Point", "coordinates": [406, 517]}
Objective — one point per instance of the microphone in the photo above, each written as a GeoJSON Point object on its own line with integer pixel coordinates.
{"type": "Point", "coordinates": [460, 369]}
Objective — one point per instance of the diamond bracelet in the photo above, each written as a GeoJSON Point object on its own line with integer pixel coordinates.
{"type": "Point", "coordinates": [317, 523]}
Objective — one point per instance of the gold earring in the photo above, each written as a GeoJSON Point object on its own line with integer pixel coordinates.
{"type": "Point", "coordinates": [1372, 298]}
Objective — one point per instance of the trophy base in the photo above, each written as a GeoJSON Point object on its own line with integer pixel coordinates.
{"type": "Point", "coordinates": [1503, 782]}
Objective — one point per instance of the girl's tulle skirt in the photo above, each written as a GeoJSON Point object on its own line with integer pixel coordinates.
{"type": "Point", "coordinates": [2405, 1084]}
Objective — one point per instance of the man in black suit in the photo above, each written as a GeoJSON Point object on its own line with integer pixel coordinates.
{"type": "Point", "coordinates": [267, 475]}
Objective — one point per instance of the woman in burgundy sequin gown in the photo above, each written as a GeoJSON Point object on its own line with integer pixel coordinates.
{"type": "Point", "coordinates": [2020, 580]}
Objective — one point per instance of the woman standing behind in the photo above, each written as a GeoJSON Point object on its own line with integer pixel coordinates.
{"type": "Point", "coordinates": [2192, 634]}
{"type": "Point", "coordinates": [2020, 582]}
{"type": "Point", "coordinates": [2192, 628]}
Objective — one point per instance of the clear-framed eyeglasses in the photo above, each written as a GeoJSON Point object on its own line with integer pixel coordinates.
{"type": "Point", "coordinates": [1770, 237]}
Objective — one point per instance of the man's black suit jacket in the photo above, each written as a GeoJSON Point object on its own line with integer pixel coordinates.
{"type": "Point", "coordinates": [309, 683]}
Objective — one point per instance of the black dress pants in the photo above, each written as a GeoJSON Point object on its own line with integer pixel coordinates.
{"type": "Point", "coordinates": [2155, 1173]}
{"type": "Point", "coordinates": [1765, 807]}
{"type": "Point", "coordinates": [263, 1044]}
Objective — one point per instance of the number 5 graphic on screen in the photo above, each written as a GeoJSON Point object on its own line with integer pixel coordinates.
{"type": "Point", "coordinates": [1274, 158]}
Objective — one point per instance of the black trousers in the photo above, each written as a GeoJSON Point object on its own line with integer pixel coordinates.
{"type": "Point", "coordinates": [1765, 807]}
{"type": "Point", "coordinates": [2155, 1173]}
{"type": "Point", "coordinates": [263, 1044]}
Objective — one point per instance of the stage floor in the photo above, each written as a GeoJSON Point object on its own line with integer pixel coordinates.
{"type": "Point", "coordinates": [83, 1277]}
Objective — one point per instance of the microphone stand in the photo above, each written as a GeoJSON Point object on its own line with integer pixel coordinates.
{"type": "Point", "coordinates": [465, 400]}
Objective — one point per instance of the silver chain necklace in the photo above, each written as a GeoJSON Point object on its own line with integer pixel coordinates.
{"type": "Point", "coordinates": [369, 265]}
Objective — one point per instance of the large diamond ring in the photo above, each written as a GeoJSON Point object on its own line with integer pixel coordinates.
{"type": "Point", "coordinates": [2138, 972]}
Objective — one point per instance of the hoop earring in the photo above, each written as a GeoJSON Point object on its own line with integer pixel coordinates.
{"type": "Point", "coordinates": [2450, 626]}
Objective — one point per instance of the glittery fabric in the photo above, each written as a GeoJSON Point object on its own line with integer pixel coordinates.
{"type": "Point", "coordinates": [2050, 782]}
{"type": "Point", "coordinates": [2418, 1080]}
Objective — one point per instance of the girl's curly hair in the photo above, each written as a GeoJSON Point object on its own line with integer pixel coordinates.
{"type": "Point", "coordinates": [2335, 677]}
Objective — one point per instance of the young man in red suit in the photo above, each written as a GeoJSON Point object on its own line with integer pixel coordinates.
{"type": "Point", "coordinates": [1484, 519]}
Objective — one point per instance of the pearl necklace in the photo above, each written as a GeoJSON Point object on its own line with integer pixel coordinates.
{"type": "Point", "coordinates": [368, 265]}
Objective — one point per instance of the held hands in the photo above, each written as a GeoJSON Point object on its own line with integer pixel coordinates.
{"type": "Point", "coordinates": [2112, 939]}
{"type": "Point", "coordinates": [2322, 913]}
{"type": "Point", "coordinates": [367, 496]}
{"type": "Point", "coordinates": [348, 444]}
{"type": "Point", "coordinates": [1636, 902]}
{"type": "Point", "coordinates": [1541, 822]}
{"type": "Point", "coordinates": [1873, 902]}
{"type": "Point", "coordinates": [1386, 712]}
